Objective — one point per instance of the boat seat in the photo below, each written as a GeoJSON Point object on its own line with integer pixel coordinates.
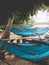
{"type": "Point", "coordinates": [33, 40]}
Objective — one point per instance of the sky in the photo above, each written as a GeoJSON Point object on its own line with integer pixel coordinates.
{"type": "Point", "coordinates": [6, 6]}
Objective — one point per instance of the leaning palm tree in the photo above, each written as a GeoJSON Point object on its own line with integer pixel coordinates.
{"type": "Point", "coordinates": [6, 33]}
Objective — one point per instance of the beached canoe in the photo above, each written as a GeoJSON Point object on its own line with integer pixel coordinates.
{"type": "Point", "coordinates": [32, 52]}
{"type": "Point", "coordinates": [28, 31]}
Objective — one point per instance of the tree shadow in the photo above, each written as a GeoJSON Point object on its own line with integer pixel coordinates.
{"type": "Point", "coordinates": [42, 62]}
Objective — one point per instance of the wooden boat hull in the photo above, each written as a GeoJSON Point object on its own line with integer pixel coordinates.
{"type": "Point", "coordinates": [27, 51]}
{"type": "Point", "coordinates": [28, 32]}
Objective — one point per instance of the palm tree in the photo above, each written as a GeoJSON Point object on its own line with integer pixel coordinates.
{"type": "Point", "coordinates": [6, 33]}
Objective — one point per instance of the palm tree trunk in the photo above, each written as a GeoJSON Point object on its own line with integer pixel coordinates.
{"type": "Point", "coordinates": [6, 34]}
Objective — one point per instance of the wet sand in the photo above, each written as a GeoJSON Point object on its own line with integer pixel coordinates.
{"type": "Point", "coordinates": [20, 61]}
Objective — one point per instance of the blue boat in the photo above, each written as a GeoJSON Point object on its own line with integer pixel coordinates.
{"type": "Point", "coordinates": [32, 52]}
{"type": "Point", "coordinates": [28, 30]}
